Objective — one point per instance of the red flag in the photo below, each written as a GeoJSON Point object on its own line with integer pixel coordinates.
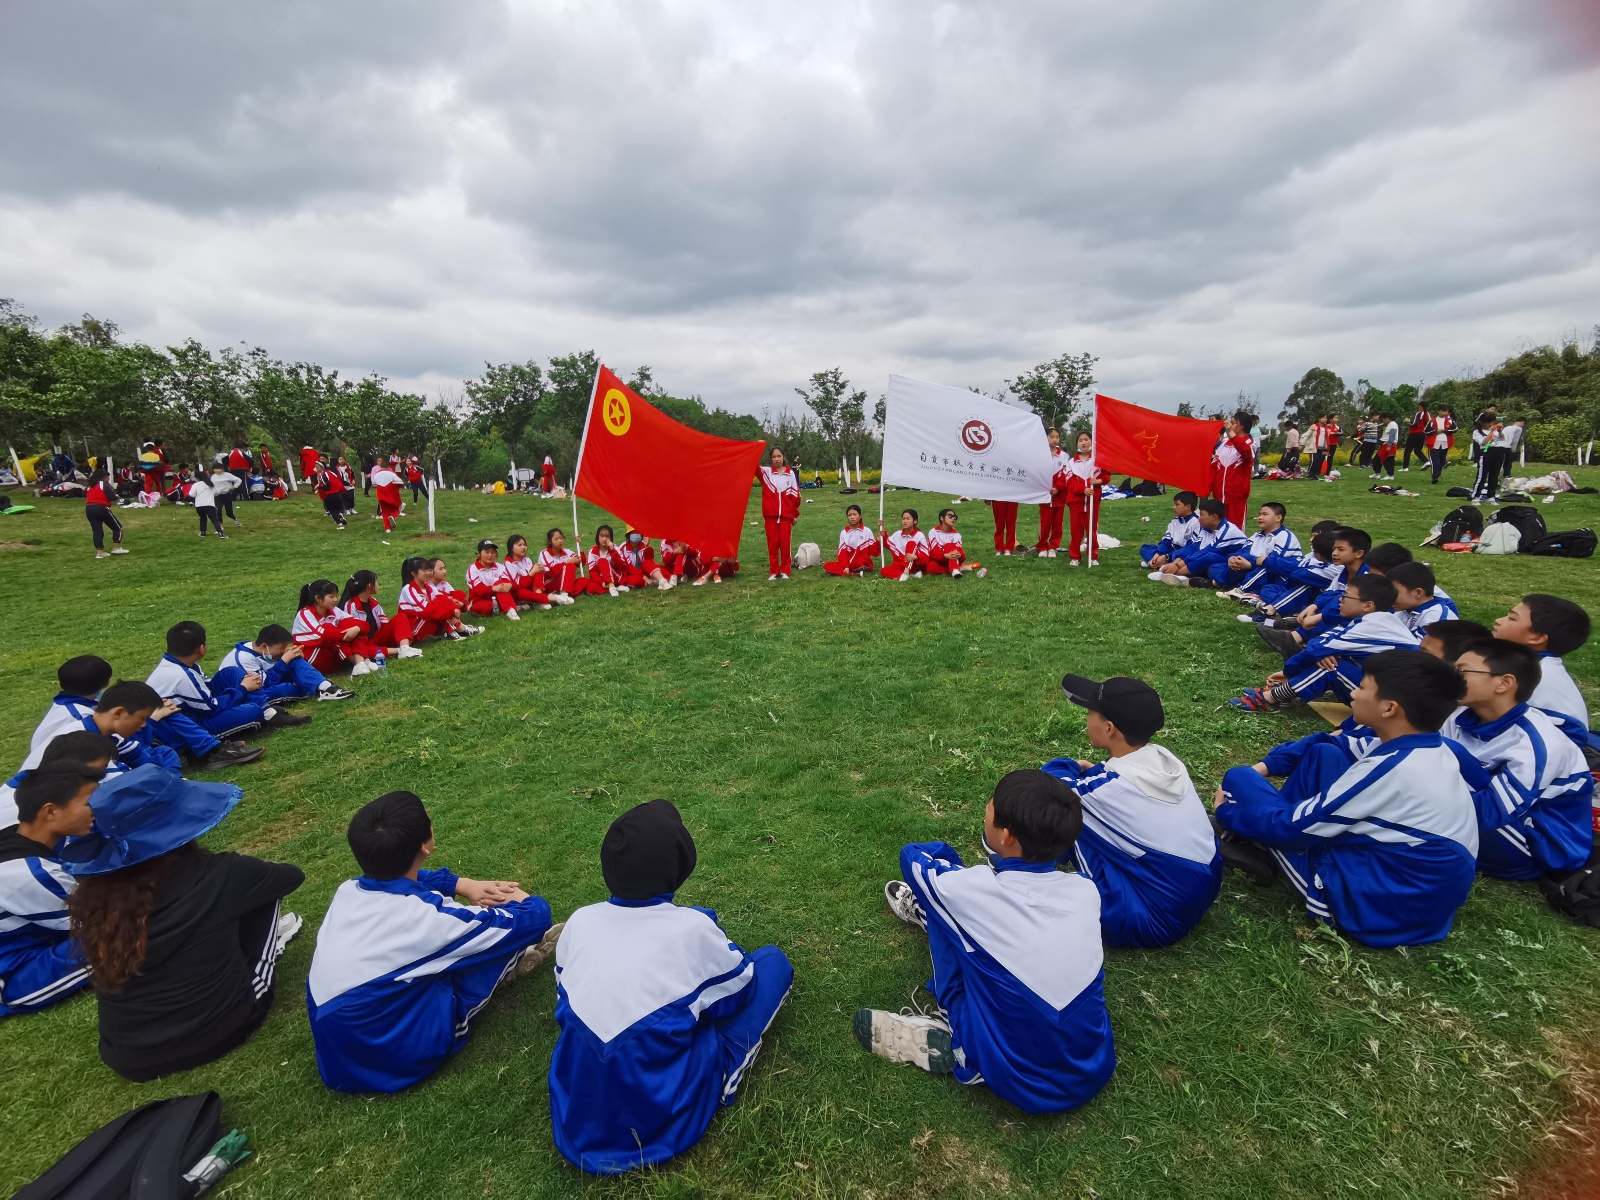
{"type": "Point", "coordinates": [1154, 445]}
{"type": "Point", "coordinates": [660, 476]}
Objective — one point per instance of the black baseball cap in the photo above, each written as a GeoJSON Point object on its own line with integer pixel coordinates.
{"type": "Point", "coordinates": [1132, 705]}
{"type": "Point", "coordinates": [487, 544]}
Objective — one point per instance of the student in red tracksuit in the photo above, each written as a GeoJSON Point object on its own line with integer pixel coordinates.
{"type": "Point", "coordinates": [360, 600]}
{"type": "Point", "coordinates": [641, 567]}
{"type": "Point", "coordinates": [328, 637]}
{"type": "Point", "coordinates": [489, 587]}
{"type": "Point", "coordinates": [547, 476]}
{"type": "Point", "coordinates": [421, 614]}
{"type": "Point", "coordinates": [858, 546]}
{"type": "Point", "coordinates": [444, 589]}
{"type": "Point", "coordinates": [780, 507]}
{"type": "Point", "coordinates": [909, 548]}
{"type": "Point", "coordinates": [519, 567]}
{"type": "Point", "coordinates": [946, 555]}
{"type": "Point", "coordinates": [308, 461]}
{"type": "Point", "coordinates": [264, 460]}
{"type": "Point", "coordinates": [1005, 526]}
{"type": "Point", "coordinates": [239, 461]}
{"type": "Point", "coordinates": [1052, 514]}
{"type": "Point", "coordinates": [1083, 487]}
{"type": "Point", "coordinates": [389, 485]}
{"type": "Point", "coordinates": [606, 565]}
{"type": "Point", "coordinates": [332, 490]}
{"type": "Point", "coordinates": [559, 568]}
{"type": "Point", "coordinates": [1232, 464]}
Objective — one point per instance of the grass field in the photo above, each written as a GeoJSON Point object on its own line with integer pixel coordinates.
{"type": "Point", "coordinates": [807, 729]}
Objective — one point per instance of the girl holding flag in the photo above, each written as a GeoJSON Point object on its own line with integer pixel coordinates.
{"type": "Point", "coordinates": [780, 506]}
{"type": "Point", "coordinates": [1050, 515]}
{"type": "Point", "coordinates": [559, 568]}
{"type": "Point", "coordinates": [1083, 501]}
{"type": "Point", "coordinates": [909, 546]}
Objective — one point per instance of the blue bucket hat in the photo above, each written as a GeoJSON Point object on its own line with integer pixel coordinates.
{"type": "Point", "coordinates": [144, 813]}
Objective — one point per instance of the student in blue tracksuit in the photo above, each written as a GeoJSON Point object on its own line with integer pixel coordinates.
{"type": "Point", "coordinates": [1447, 639]}
{"type": "Point", "coordinates": [660, 1012]}
{"type": "Point", "coordinates": [218, 712]}
{"type": "Point", "coordinates": [1535, 810]}
{"type": "Point", "coordinates": [1147, 841]}
{"type": "Point", "coordinates": [1290, 586]}
{"type": "Point", "coordinates": [1017, 957]}
{"type": "Point", "coordinates": [1419, 600]}
{"type": "Point", "coordinates": [1331, 661]}
{"type": "Point", "coordinates": [1181, 530]}
{"type": "Point", "coordinates": [285, 674]}
{"type": "Point", "coordinates": [407, 957]}
{"type": "Point", "coordinates": [1219, 540]}
{"type": "Point", "coordinates": [80, 680]}
{"type": "Point", "coordinates": [1289, 636]}
{"type": "Point", "coordinates": [1273, 551]}
{"type": "Point", "coordinates": [1554, 628]}
{"type": "Point", "coordinates": [39, 966]}
{"type": "Point", "coordinates": [1383, 844]}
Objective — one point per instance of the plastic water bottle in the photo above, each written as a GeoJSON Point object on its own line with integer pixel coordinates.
{"type": "Point", "coordinates": [381, 660]}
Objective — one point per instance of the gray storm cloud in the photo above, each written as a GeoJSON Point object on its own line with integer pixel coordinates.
{"type": "Point", "coordinates": [1210, 196]}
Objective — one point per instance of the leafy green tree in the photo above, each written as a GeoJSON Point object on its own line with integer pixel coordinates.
{"type": "Point", "coordinates": [1056, 389]}
{"type": "Point", "coordinates": [1319, 393]}
{"type": "Point", "coordinates": [507, 399]}
{"type": "Point", "coordinates": [840, 410]}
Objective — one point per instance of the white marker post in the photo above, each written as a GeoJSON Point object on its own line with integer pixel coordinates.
{"type": "Point", "coordinates": [438, 471]}
{"type": "Point", "coordinates": [16, 464]}
{"type": "Point", "coordinates": [883, 550]}
{"type": "Point", "coordinates": [294, 484]}
{"type": "Point", "coordinates": [513, 463]}
{"type": "Point", "coordinates": [858, 470]}
{"type": "Point", "coordinates": [430, 510]}
{"type": "Point", "coordinates": [844, 471]}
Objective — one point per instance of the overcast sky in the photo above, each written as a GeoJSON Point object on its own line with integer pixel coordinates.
{"type": "Point", "coordinates": [1208, 195]}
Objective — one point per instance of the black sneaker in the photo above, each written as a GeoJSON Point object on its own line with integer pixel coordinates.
{"type": "Point", "coordinates": [231, 754]}
{"type": "Point", "coordinates": [334, 692]}
{"type": "Point", "coordinates": [277, 718]}
{"type": "Point", "coordinates": [1249, 858]}
{"type": "Point", "coordinates": [1281, 640]}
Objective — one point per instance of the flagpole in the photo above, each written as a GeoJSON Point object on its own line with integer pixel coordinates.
{"type": "Point", "coordinates": [576, 540]}
{"type": "Point", "coordinates": [883, 539]}
{"type": "Point", "coordinates": [1093, 549]}
{"type": "Point", "coordinates": [577, 470]}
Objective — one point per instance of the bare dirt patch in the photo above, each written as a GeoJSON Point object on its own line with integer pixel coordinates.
{"type": "Point", "coordinates": [19, 545]}
{"type": "Point", "coordinates": [1567, 1165]}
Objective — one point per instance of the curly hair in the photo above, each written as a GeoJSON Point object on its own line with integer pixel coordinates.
{"type": "Point", "coordinates": [110, 916]}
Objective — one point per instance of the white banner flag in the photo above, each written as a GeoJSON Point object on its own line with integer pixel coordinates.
{"type": "Point", "coordinates": [946, 439]}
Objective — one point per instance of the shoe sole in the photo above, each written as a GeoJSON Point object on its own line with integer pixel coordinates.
{"type": "Point", "coordinates": [926, 1047]}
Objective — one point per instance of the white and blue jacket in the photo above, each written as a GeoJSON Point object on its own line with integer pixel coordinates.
{"type": "Point", "coordinates": [1352, 642]}
{"type": "Point", "coordinates": [1388, 851]}
{"type": "Point", "coordinates": [1278, 554]}
{"type": "Point", "coordinates": [1181, 531]}
{"type": "Point", "coordinates": [1357, 741]}
{"type": "Point", "coordinates": [33, 919]}
{"type": "Point", "coordinates": [247, 660]}
{"type": "Point", "coordinates": [639, 1069]}
{"type": "Point", "coordinates": [1214, 546]}
{"type": "Point", "coordinates": [385, 990]}
{"type": "Point", "coordinates": [1439, 608]}
{"type": "Point", "coordinates": [1558, 697]}
{"type": "Point", "coordinates": [1535, 808]}
{"type": "Point", "coordinates": [1018, 967]}
{"type": "Point", "coordinates": [1153, 857]}
{"type": "Point", "coordinates": [1301, 584]}
{"type": "Point", "coordinates": [188, 687]}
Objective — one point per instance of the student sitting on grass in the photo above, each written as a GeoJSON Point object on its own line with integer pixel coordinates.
{"type": "Point", "coordinates": [519, 566]}
{"type": "Point", "coordinates": [285, 674]}
{"type": "Point", "coordinates": [1181, 530]}
{"type": "Point", "coordinates": [1386, 556]}
{"type": "Point", "coordinates": [1220, 539]}
{"type": "Point", "coordinates": [1535, 809]}
{"type": "Point", "coordinates": [181, 943]}
{"type": "Point", "coordinates": [558, 568]}
{"type": "Point", "coordinates": [660, 1013]}
{"type": "Point", "coordinates": [1554, 628]}
{"type": "Point", "coordinates": [1331, 661]}
{"type": "Point", "coordinates": [1273, 550]}
{"type": "Point", "coordinates": [407, 957]}
{"type": "Point", "coordinates": [421, 614]}
{"type": "Point", "coordinates": [1289, 635]}
{"type": "Point", "coordinates": [39, 966]}
{"type": "Point", "coordinates": [1418, 599]}
{"type": "Point", "coordinates": [858, 546]}
{"type": "Point", "coordinates": [1447, 639]}
{"type": "Point", "coordinates": [1147, 841]}
{"type": "Point", "coordinates": [359, 602]}
{"type": "Point", "coordinates": [908, 546]}
{"type": "Point", "coordinates": [178, 678]}
{"type": "Point", "coordinates": [1288, 589]}
{"type": "Point", "coordinates": [490, 587]}
{"type": "Point", "coordinates": [327, 636]}
{"type": "Point", "coordinates": [946, 555]}
{"type": "Point", "coordinates": [1381, 845]}
{"type": "Point", "coordinates": [1017, 957]}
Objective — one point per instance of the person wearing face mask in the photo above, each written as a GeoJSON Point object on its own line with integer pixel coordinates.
{"type": "Point", "coordinates": [1017, 957]}
{"type": "Point", "coordinates": [1147, 842]}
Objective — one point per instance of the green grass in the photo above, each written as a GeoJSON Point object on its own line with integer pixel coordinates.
{"type": "Point", "coordinates": [807, 730]}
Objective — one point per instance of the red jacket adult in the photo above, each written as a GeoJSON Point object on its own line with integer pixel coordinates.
{"type": "Point", "coordinates": [239, 461]}
{"type": "Point", "coordinates": [780, 493]}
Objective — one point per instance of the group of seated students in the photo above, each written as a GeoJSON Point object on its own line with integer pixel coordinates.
{"type": "Point", "coordinates": [910, 552]}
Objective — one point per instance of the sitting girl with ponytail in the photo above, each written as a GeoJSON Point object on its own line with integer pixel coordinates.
{"type": "Point", "coordinates": [327, 637]}
{"type": "Point", "coordinates": [359, 601]}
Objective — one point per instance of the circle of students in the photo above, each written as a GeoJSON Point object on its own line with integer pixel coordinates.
{"type": "Point", "coordinates": [1466, 750]}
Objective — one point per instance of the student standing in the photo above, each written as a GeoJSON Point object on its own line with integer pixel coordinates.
{"type": "Point", "coordinates": [1232, 465]}
{"type": "Point", "coordinates": [97, 508]}
{"type": "Point", "coordinates": [223, 486]}
{"type": "Point", "coordinates": [204, 500]}
{"type": "Point", "coordinates": [547, 476]}
{"type": "Point", "coordinates": [1084, 480]}
{"type": "Point", "coordinates": [780, 508]}
{"type": "Point", "coordinates": [660, 1012]}
{"type": "Point", "coordinates": [1388, 446]}
{"type": "Point", "coordinates": [1291, 450]}
{"type": "Point", "coordinates": [1005, 526]}
{"type": "Point", "coordinates": [1417, 435]}
{"type": "Point", "coordinates": [1018, 964]}
{"type": "Point", "coordinates": [388, 484]}
{"type": "Point", "coordinates": [181, 943]}
{"type": "Point", "coordinates": [333, 492]}
{"type": "Point", "coordinates": [415, 479]}
{"type": "Point", "coordinates": [1441, 438]}
{"type": "Point", "coordinates": [406, 957]}
{"type": "Point", "coordinates": [1052, 515]}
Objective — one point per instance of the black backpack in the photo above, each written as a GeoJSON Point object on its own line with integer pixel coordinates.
{"type": "Point", "coordinates": [1574, 543]}
{"type": "Point", "coordinates": [1525, 520]}
{"type": "Point", "coordinates": [1458, 493]}
{"type": "Point", "coordinates": [1458, 523]}
{"type": "Point", "coordinates": [1575, 894]}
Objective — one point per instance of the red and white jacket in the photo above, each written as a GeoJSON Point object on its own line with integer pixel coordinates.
{"type": "Point", "coordinates": [370, 614]}
{"type": "Point", "coordinates": [481, 580]}
{"type": "Point", "coordinates": [1442, 426]}
{"type": "Point", "coordinates": [1081, 475]}
{"type": "Point", "coordinates": [609, 559]}
{"type": "Point", "coordinates": [1231, 466]}
{"type": "Point", "coordinates": [97, 494]}
{"type": "Point", "coordinates": [388, 485]}
{"type": "Point", "coordinates": [328, 484]}
{"type": "Point", "coordinates": [857, 538]}
{"type": "Point", "coordinates": [308, 461]}
{"type": "Point", "coordinates": [908, 546]}
{"type": "Point", "coordinates": [414, 597]}
{"type": "Point", "coordinates": [312, 633]}
{"type": "Point", "coordinates": [941, 543]}
{"type": "Point", "coordinates": [1058, 481]}
{"type": "Point", "coordinates": [549, 560]}
{"type": "Point", "coordinates": [518, 569]}
{"type": "Point", "coordinates": [641, 558]}
{"type": "Point", "coordinates": [780, 493]}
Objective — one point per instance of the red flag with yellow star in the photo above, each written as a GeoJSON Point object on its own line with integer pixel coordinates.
{"type": "Point", "coordinates": [660, 476]}
{"type": "Point", "coordinates": [1147, 444]}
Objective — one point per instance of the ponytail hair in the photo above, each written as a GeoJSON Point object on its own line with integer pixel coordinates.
{"type": "Point", "coordinates": [316, 588]}
{"type": "Point", "coordinates": [409, 568]}
{"type": "Point", "coordinates": [355, 585]}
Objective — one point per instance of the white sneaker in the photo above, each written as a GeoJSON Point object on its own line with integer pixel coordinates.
{"type": "Point", "coordinates": [903, 904]}
{"type": "Point", "coordinates": [118, 550]}
{"type": "Point", "coordinates": [783, 575]}
{"type": "Point", "coordinates": [537, 955]}
{"type": "Point", "coordinates": [614, 591]}
{"type": "Point", "coordinates": [1072, 562]}
{"type": "Point", "coordinates": [907, 1037]}
{"type": "Point", "coordinates": [563, 598]}
{"type": "Point", "coordinates": [701, 582]}
{"type": "Point", "coordinates": [955, 573]}
{"type": "Point", "coordinates": [622, 587]}
{"type": "Point", "coordinates": [904, 576]}
{"type": "Point", "coordinates": [1049, 553]}
{"type": "Point", "coordinates": [1245, 619]}
{"type": "Point", "coordinates": [288, 925]}
{"type": "Point", "coordinates": [364, 667]}
{"type": "Point", "coordinates": [1175, 580]}
{"type": "Point", "coordinates": [334, 692]}
{"type": "Point", "coordinates": [1230, 594]}
{"type": "Point", "coordinates": [664, 586]}
{"type": "Point", "coordinates": [770, 578]}
{"type": "Point", "coordinates": [408, 652]}
{"type": "Point", "coordinates": [1155, 576]}
{"type": "Point", "coordinates": [102, 554]}
{"type": "Point", "coordinates": [513, 615]}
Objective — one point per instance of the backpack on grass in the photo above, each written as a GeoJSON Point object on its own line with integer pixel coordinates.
{"type": "Point", "coordinates": [1574, 543]}
{"type": "Point", "coordinates": [1459, 525]}
{"type": "Point", "coordinates": [1525, 519]}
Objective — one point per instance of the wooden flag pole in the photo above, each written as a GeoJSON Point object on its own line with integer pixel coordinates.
{"type": "Point", "coordinates": [576, 540]}
{"type": "Point", "coordinates": [883, 535]}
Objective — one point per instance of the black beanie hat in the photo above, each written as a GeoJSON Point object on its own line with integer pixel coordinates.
{"type": "Point", "coordinates": [647, 851]}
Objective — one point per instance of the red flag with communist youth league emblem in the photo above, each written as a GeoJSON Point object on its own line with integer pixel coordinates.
{"type": "Point", "coordinates": [1147, 444]}
{"type": "Point", "coordinates": [660, 476]}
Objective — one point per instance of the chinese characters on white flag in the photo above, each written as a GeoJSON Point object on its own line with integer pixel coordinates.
{"type": "Point", "coordinates": [945, 439]}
